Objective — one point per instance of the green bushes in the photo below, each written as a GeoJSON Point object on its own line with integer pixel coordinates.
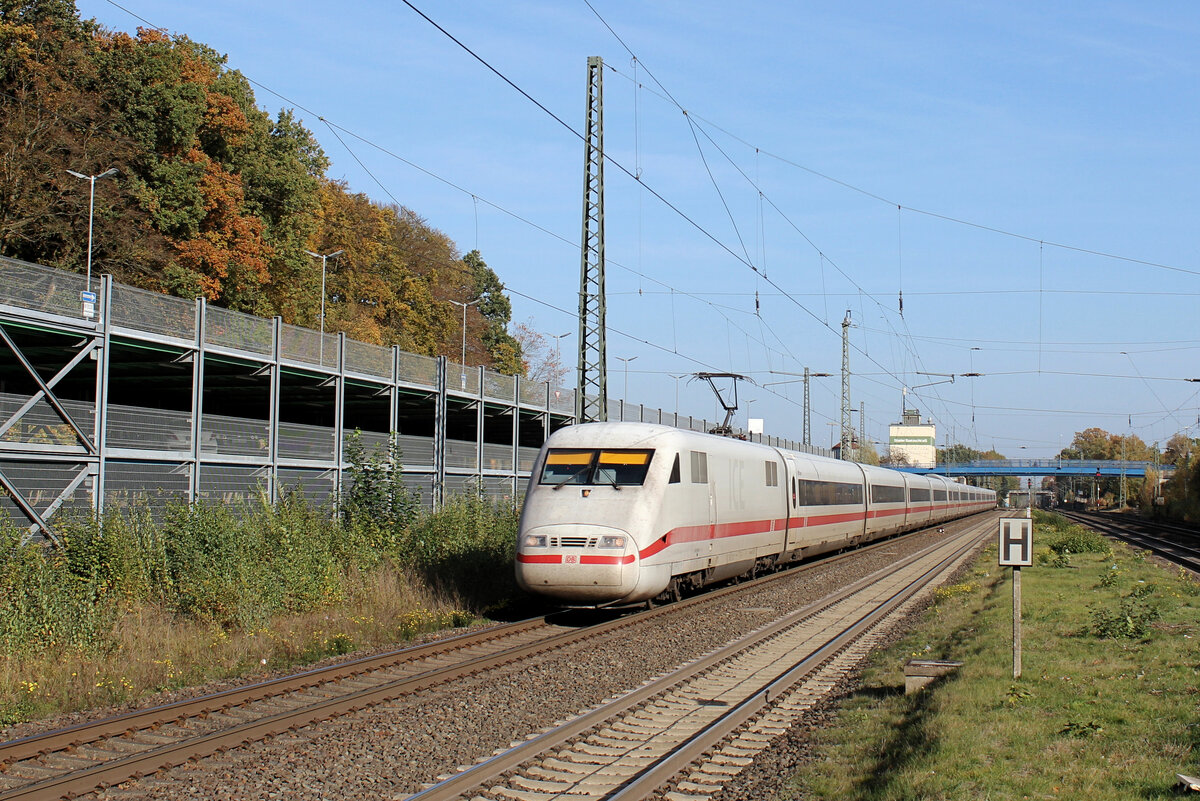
{"type": "Point", "coordinates": [238, 567]}
{"type": "Point", "coordinates": [467, 547]}
{"type": "Point", "coordinates": [1130, 619]}
{"type": "Point", "coordinates": [44, 605]}
{"type": "Point", "coordinates": [1067, 537]}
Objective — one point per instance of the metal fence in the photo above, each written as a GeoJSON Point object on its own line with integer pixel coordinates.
{"type": "Point", "coordinates": [43, 289]}
{"type": "Point", "coordinates": [140, 310]}
{"type": "Point", "coordinates": [154, 457]}
{"type": "Point", "coordinates": [368, 359]}
{"type": "Point", "coordinates": [237, 331]}
{"type": "Point", "coordinates": [41, 424]}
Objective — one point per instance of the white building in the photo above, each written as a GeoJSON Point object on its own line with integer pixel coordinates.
{"type": "Point", "coordinates": [913, 440]}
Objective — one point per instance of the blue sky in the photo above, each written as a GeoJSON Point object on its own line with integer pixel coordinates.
{"type": "Point", "coordinates": [849, 151]}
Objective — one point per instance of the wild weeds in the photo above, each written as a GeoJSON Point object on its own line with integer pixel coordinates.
{"type": "Point", "coordinates": [221, 589]}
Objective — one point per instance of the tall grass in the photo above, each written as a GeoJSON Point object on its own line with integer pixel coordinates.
{"type": "Point", "coordinates": [1104, 707]}
{"type": "Point", "coordinates": [130, 603]}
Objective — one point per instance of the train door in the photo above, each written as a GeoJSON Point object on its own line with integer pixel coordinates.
{"type": "Point", "coordinates": [866, 500]}
{"type": "Point", "coordinates": [794, 523]}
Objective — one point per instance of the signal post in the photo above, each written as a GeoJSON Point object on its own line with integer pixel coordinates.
{"type": "Point", "coordinates": [1016, 551]}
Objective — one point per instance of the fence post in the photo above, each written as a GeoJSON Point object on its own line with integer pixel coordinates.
{"type": "Point", "coordinates": [273, 410]}
{"type": "Point", "coordinates": [102, 366]}
{"type": "Point", "coordinates": [197, 397]}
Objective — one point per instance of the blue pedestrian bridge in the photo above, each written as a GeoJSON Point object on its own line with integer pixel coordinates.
{"type": "Point", "coordinates": [1041, 467]}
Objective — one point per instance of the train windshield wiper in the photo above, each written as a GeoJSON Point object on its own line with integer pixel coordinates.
{"type": "Point", "coordinates": [559, 484]}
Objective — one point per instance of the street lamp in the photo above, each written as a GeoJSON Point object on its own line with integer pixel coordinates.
{"type": "Point", "coordinates": [625, 392]}
{"type": "Point", "coordinates": [807, 405]}
{"type": "Point", "coordinates": [677, 377]}
{"type": "Point", "coordinates": [91, 179]}
{"type": "Point", "coordinates": [557, 356]}
{"type": "Point", "coordinates": [464, 325]}
{"type": "Point", "coordinates": [324, 258]}
{"type": "Point", "coordinates": [556, 338]}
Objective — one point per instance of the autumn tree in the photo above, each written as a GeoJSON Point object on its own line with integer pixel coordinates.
{"type": "Point", "coordinates": [1097, 444]}
{"type": "Point", "coordinates": [54, 120]}
{"type": "Point", "coordinates": [541, 361]}
{"type": "Point", "coordinates": [867, 453]}
{"type": "Point", "coordinates": [214, 197]}
{"type": "Point", "coordinates": [496, 310]}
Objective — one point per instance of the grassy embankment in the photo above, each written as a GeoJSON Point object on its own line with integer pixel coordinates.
{"type": "Point", "coordinates": [1108, 705]}
{"type": "Point", "coordinates": [130, 605]}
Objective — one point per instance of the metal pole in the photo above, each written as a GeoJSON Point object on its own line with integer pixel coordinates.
{"type": "Point", "coordinates": [625, 391]}
{"type": "Point", "coordinates": [1016, 622]}
{"type": "Point", "coordinates": [807, 412]}
{"type": "Point", "coordinates": [591, 399]}
{"type": "Point", "coordinates": [91, 209]}
{"type": "Point", "coordinates": [91, 179]}
{"type": "Point", "coordinates": [847, 424]}
{"type": "Point", "coordinates": [1017, 592]}
{"type": "Point", "coordinates": [324, 258]}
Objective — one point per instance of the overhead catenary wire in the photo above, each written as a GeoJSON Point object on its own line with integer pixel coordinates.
{"type": "Point", "coordinates": [693, 127]}
{"type": "Point", "coordinates": [927, 212]}
{"type": "Point", "coordinates": [821, 256]}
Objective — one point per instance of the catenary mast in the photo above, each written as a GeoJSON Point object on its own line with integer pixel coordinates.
{"type": "Point", "coordinates": [591, 397]}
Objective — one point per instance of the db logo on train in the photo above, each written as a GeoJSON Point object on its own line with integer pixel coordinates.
{"type": "Point", "coordinates": [571, 559]}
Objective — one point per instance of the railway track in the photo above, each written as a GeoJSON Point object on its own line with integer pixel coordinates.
{"type": "Point", "coordinates": [91, 756]}
{"type": "Point", "coordinates": [1176, 544]}
{"type": "Point", "coordinates": [699, 725]}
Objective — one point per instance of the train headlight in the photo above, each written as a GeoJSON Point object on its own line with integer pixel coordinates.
{"type": "Point", "coordinates": [612, 542]}
{"type": "Point", "coordinates": [535, 540]}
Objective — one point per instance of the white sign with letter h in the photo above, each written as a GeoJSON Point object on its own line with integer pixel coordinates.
{"type": "Point", "coordinates": [1016, 542]}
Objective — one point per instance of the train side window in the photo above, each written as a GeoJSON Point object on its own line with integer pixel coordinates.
{"type": "Point", "coordinates": [884, 493]}
{"type": "Point", "coordinates": [795, 499]}
{"type": "Point", "coordinates": [675, 471]}
{"type": "Point", "coordinates": [699, 467]}
{"type": "Point", "coordinates": [772, 474]}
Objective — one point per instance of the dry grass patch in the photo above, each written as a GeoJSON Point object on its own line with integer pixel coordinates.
{"type": "Point", "coordinates": [151, 650]}
{"type": "Point", "coordinates": [1106, 707]}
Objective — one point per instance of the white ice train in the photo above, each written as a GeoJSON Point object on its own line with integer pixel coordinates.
{"type": "Point", "coordinates": [619, 513]}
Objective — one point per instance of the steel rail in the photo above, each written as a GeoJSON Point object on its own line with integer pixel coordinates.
{"type": "Point", "coordinates": [153, 717]}
{"type": "Point", "coordinates": [1174, 552]}
{"type": "Point", "coordinates": [172, 754]}
{"type": "Point", "coordinates": [80, 734]}
{"type": "Point", "coordinates": [475, 777]}
{"type": "Point", "coordinates": [650, 780]}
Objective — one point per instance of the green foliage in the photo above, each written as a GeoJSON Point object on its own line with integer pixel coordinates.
{"type": "Point", "coordinates": [496, 310]}
{"type": "Point", "coordinates": [1080, 729]}
{"type": "Point", "coordinates": [1130, 620]}
{"type": "Point", "coordinates": [1065, 536]}
{"type": "Point", "coordinates": [214, 196]}
{"type": "Point", "coordinates": [466, 546]}
{"type": "Point", "coordinates": [1016, 694]}
{"type": "Point", "coordinates": [376, 502]}
{"type": "Point", "coordinates": [236, 568]}
{"type": "Point", "coordinates": [1061, 560]}
{"type": "Point", "coordinates": [44, 604]}
{"type": "Point", "coordinates": [469, 545]}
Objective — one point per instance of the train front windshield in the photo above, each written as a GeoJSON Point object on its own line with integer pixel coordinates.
{"type": "Point", "coordinates": [614, 467]}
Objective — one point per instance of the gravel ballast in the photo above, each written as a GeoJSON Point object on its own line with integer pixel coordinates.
{"type": "Point", "coordinates": [396, 748]}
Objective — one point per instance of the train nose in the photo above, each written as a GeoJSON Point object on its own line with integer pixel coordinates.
{"type": "Point", "coordinates": [588, 563]}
